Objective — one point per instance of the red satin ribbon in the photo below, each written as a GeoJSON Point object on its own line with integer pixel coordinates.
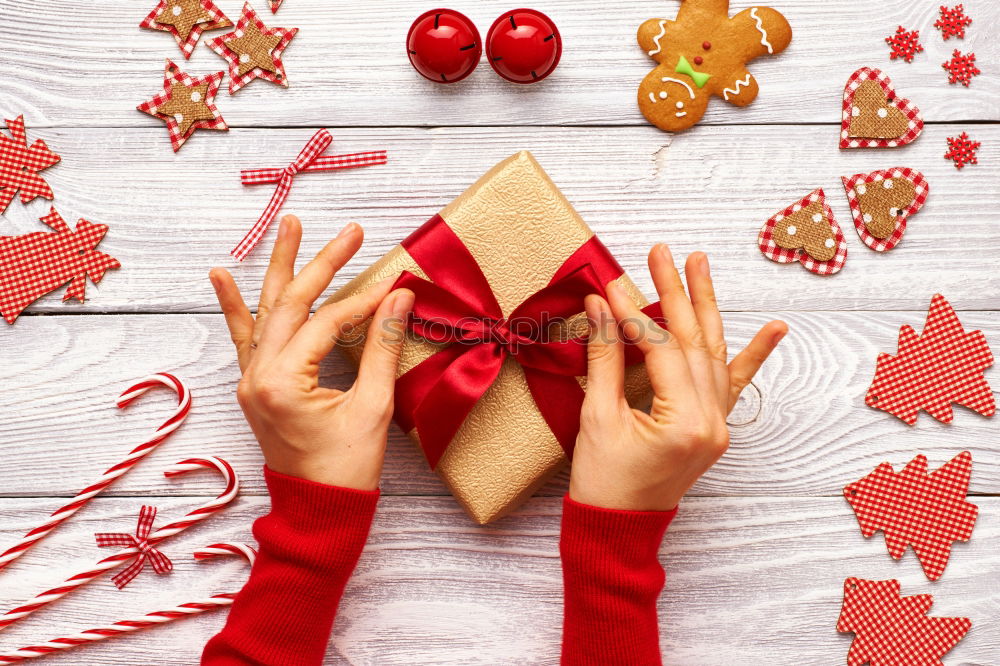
{"type": "Point", "coordinates": [458, 306]}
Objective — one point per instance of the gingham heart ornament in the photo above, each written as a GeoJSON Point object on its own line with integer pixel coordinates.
{"type": "Point", "coordinates": [882, 203]}
{"type": "Point", "coordinates": [874, 116]}
{"type": "Point", "coordinates": [807, 232]}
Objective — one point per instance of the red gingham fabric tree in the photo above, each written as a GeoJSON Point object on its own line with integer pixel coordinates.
{"type": "Point", "coordinates": [892, 630]}
{"type": "Point", "coordinates": [20, 164]}
{"type": "Point", "coordinates": [941, 366]}
{"type": "Point", "coordinates": [927, 511]}
{"type": "Point", "coordinates": [37, 263]}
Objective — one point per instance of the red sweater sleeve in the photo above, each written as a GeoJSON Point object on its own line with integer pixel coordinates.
{"type": "Point", "coordinates": [612, 579]}
{"type": "Point", "coordinates": [309, 543]}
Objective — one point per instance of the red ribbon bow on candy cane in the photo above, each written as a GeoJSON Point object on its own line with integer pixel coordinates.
{"type": "Point", "coordinates": [459, 307]}
{"type": "Point", "coordinates": [161, 563]}
{"type": "Point", "coordinates": [309, 159]}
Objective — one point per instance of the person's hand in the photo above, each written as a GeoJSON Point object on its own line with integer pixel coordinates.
{"type": "Point", "coordinates": [315, 433]}
{"type": "Point", "coordinates": [626, 458]}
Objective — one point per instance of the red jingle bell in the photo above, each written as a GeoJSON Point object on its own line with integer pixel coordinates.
{"type": "Point", "coordinates": [443, 45]}
{"type": "Point", "coordinates": [523, 45]}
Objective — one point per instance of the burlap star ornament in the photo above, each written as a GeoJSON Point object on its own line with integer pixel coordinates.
{"type": "Point", "coordinates": [186, 104]}
{"type": "Point", "coordinates": [253, 51]}
{"type": "Point", "coordinates": [185, 20]}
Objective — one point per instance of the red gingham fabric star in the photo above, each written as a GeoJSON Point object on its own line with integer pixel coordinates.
{"type": "Point", "coordinates": [170, 14]}
{"type": "Point", "coordinates": [952, 22]}
{"type": "Point", "coordinates": [892, 630]}
{"type": "Point", "coordinates": [37, 263]}
{"type": "Point", "coordinates": [274, 5]}
{"type": "Point", "coordinates": [962, 150]}
{"type": "Point", "coordinates": [941, 366]}
{"type": "Point", "coordinates": [961, 68]}
{"type": "Point", "coordinates": [916, 121]}
{"type": "Point", "coordinates": [310, 158]}
{"type": "Point", "coordinates": [223, 45]}
{"type": "Point", "coordinates": [20, 164]}
{"type": "Point", "coordinates": [171, 76]}
{"type": "Point", "coordinates": [904, 44]}
{"type": "Point", "coordinates": [927, 511]}
{"type": "Point", "coordinates": [857, 185]}
{"type": "Point", "coordinates": [160, 562]}
{"type": "Point", "coordinates": [765, 239]}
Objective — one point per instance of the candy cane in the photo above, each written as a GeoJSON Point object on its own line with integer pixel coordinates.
{"type": "Point", "coordinates": [112, 561]}
{"type": "Point", "coordinates": [112, 475]}
{"type": "Point", "coordinates": [151, 619]}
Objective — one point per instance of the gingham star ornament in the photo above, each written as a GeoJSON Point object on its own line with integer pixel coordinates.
{"type": "Point", "coordinates": [253, 51]}
{"type": "Point", "coordinates": [186, 104]}
{"type": "Point", "coordinates": [20, 164]}
{"type": "Point", "coordinates": [185, 20]}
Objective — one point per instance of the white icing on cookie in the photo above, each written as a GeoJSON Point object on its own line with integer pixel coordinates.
{"type": "Point", "coordinates": [656, 40]}
{"type": "Point", "coordinates": [667, 78]}
{"type": "Point", "coordinates": [652, 98]}
{"type": "Point", "coordinates": [736, 89]}
{"type": "Point", "coordinates": [760, 29]}
{"type": "Point", "coordinates": [681, 114]}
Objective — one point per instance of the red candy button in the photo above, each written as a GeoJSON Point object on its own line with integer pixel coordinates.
{"type": "Point", "coordinates": [443, 45]}
{"type": "Point", "coordinates": [523, 46]}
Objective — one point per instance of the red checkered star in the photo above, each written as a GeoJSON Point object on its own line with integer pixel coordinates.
{"type": "Point", "coordinates": [904, 44]}
{"type": "Point", "coordinates": [962, 150]}
{"type": "Point", "coordinates": [185, 20]}
{"type": "Point", "coordinates": [20, 164]}
{"type": "Point", "coordinates": [961, 68]}
{"type": "Point", "coordinates": [274, 5]}
{"type": "Point", "coordinates": [253, 51]}
{"type": "Point", "coordinates": [186, 104]}
{"type": "Point", "coordinates": [952, 22]}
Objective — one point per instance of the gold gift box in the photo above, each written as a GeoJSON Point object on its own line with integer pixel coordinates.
{"type": "Point", "coordinates": [520, 229]}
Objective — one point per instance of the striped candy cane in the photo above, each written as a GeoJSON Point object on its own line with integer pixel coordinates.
{"type": "Point", "coordinates": [151, 619]}
{"type": "Point", "coordinates": [114, 473]}
{"type": "Point", "coordinates": [113, 561]}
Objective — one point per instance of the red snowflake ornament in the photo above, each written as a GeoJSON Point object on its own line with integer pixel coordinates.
{"type": "Point", "coordinates": [941, 366]}
{"type": "Point", "coordinates": [186, 104]}
{"type": "Point", "coordinates": [926, 511]}
{"type": "Point", "coordinates": [952, 22]}
{"type": "Point", "coordinates": [253, 51]}
{"type": "Point", "coordinates": [37, 263]}
{"type": "Point", "coordinates": [962, 150]}
{"type": "Point", "coordinates": [893, 630]}
{"type": "Point", "coordinates": [961, 68]}
{"type": "Point", "coordinates": [904, 44]}
{"type": "Point", "coordinates": [20, 164]}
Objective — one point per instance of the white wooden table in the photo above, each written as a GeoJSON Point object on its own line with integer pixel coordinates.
{"type": "Point", "coordinates": [756, 558]}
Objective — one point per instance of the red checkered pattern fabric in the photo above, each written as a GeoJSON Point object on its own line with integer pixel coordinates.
{"type": "Point", "coordinates": [20, 164]}
{"type": "Point", "coordinates": [186, 45]}
{"type": "Point", "coordinates": [892, 630]}
{"type": "Point", "coordinates": [916, 122]}
{"type": "Point", "coordinates": [147, 553]}
{"type": "Point", "coordinates": [765, 240]}
{"type": "Point", "coordinates": [310, 158]}
{"type": "Point", "coordinates": [236, 81]}
{"type": "Point", "coordinates": [171, 75]}
{"type": "Point", "coordinates": [37, 263]}
{"type": "Point", "coordinates": [941, 366]}
{"type": "Point", "coordinates": [274, 5]}
{"type": "Point", "coordinates": [859, 182]}
{"type": "Point", "coordinates": [927, 511]}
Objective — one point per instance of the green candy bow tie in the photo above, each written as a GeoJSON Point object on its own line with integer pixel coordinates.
{"type": "Point", "coordinates": [684, 67]}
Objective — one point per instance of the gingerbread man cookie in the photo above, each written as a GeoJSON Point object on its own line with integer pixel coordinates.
{"type": "Point", "coordinates": [703, 52]}
{"type": "Point", "coordinates": [805, 232]}
{"type": "Point", "coordinates": [883, 201]}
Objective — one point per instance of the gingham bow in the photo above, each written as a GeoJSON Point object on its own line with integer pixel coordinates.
{"type": "Point", "coordinates": [309, 159]}
{"type": "Point", "coordinates": [19, 164]}
{"type": "Point", "coordinates": [161, 563]}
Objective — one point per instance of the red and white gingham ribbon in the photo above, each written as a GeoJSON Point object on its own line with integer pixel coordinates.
{"type": "Point", "coordinates": [309, 159]}
{"type": "Point", "coordinates": [146, 552]}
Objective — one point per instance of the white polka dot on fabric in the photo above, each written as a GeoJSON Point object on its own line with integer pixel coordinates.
{"type": "Point", "coordinates": [855, 111]}
{"type": "Point", "coordinates": [179, 117]}
{"type": "Point", "coordinates": [196, 96]}
{"type": "Point", "coordinates": [829, 242]}
{"type": "Point", "coordinates": [893, 212]}
{"type": "Point", "coordinates": [245, 57]}
{"type": "Point", "coordinates": [176, 11]}
{"type": "Point", "coordinates": [861, 189]}
{"type": "Point", "coordinates": [792, 230]}
{"type": "Point", "coordinates": [882, 113]}
{"type": "Point", "coordinates": [887, 184]}
{"type": "Point", "coordinates": [817, 217]}
{"type": "Point", "coordinates": [867, 217]}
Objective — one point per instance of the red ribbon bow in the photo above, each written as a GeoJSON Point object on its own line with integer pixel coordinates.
{"type": "Point", "coordinates": [161, 563]}
{"type": "Point", "coordinates": [309, 159]}
{"type": "Point", "coordinates": [459, 307]}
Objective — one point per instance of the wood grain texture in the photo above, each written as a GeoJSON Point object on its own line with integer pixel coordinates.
{"type": "Point", "coordinates": [805, 429]}
{"type": "Point", "coordinates": [174, 216]}
{"type": "Point", "coordinates": [749, 581]}
{"type": "Point", "coordinates": [347, 66]}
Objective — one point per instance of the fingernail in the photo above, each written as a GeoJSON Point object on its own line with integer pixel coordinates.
{"type": "Point", "coordinates": [402, 302]}
{"type": "Point", "coordinates": [778, 337]}
{"type": "Point", "coordinates": [211, 278]}
{"type": "Point", "coordinates": [347, 229]}
{"type": "Point", "coordinates": [614, 287]}
{"type": "Point", "coordinates": [703, 265]}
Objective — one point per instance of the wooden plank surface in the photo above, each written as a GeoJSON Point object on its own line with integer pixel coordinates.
{"type": "Point", "coordinates": [749, 581]}
{"type": "Point", "coordinates": [347, 66]}
{"type": "Point", "coordinates": [804, 430]}
{"type": "Point", "coordinates": [172, 217]}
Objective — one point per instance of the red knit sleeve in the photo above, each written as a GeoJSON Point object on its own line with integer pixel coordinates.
{"type": "Point", "coordinates": [309, 544]}
{"type": "Point", "coordinates": [612, 579]}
